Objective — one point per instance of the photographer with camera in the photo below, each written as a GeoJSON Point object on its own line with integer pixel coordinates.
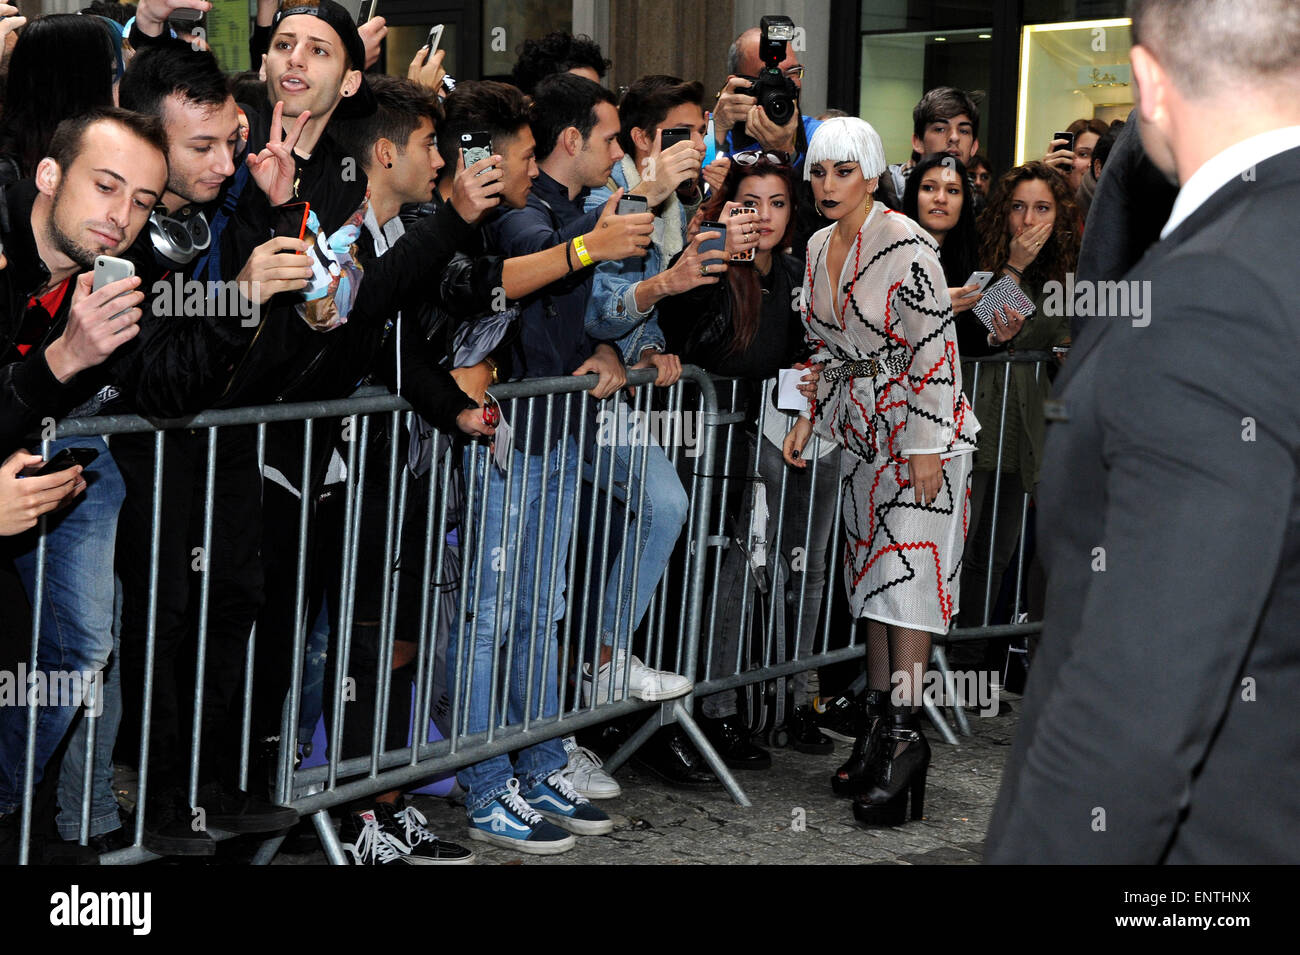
{"type": "Point", "coordinates": [760, 101]}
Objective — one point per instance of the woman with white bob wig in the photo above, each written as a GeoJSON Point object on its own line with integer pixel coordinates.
{"type": "Point", "coordinates": [877, 313]}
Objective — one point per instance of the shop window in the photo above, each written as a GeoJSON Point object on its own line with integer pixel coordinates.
{"type": "Point", "coordinates": [1070, 71]}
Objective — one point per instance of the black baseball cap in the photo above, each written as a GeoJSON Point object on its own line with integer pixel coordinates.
{"type": "Point", "coordinates": [362, 102]}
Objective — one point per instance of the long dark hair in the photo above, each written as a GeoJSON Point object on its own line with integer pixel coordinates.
{"type": "Point", "coordinates": [61, 66]}
{"type": "Point", "coordinates": [960, 249]}
{"type": "Point", "coordinates": [742, 282]}
{"type": "Point", "coordinates": [1061, 251]}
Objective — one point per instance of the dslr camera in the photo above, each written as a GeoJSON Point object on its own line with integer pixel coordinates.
{"type": "Point", "coordinates": [773, 90]}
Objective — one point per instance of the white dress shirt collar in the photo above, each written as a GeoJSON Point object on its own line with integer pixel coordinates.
{"type": "Point", "coordinates": [1237, 160]}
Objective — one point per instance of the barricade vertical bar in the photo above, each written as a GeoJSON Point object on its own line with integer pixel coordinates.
{"type": "Point", "coordinates": [151, 633]}
{"type": "Point", "coordinates": [535, 626]}
{"type": "Point", "coordinates": [643, 398]}
{"type": "Point", "coordinates": [205, 585]}
{"type": "Point", "coordinates": [997, 493]}
{"type": "Point", "coordinates": [471, 546]}
{"type": "Point", "coordinates": [570, 563]}
{"type": "Point", "coordinates": [425, 654]}
{"type": "Point", "coordinates": [91, 703]}
{"type": "Point", "coordinates": [29, 750]}
{"type": "Point", "coordinates": [497, 703]}
{"type": "Point", "coordinates": [396, 499]}
{"type": "Point", "coordinates": [1024, 522]}
{"type": "Point", "coordinates": [481, 544]}
{"type": "Point", "coordinates": [246, 710]}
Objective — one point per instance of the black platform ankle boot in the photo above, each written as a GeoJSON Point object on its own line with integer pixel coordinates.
{"type": "Point", "coordinates": [900, 772]}
{"type": "Point", "coordinates": [857, 775]}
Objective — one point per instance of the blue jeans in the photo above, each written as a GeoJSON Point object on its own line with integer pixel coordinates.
{"type": "Point", "coordinates": [76, 610]}
{"type": "Point", "coordinates": [528, 638]}
{"type": "Point", "coordinates": [104, 817]}
{"type": "Point", "coordinates": [659, 517]}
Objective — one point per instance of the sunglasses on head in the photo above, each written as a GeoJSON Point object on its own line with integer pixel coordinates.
{"type": "Point", "coordinates": [751, 157]}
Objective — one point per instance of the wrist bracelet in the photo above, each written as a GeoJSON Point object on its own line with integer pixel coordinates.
{"type": "Point", "coordinates": [1019, 274]}
{"type": "Point", "coordinates": [568, 255]}
{"type": "Point", "coordinates": [583, 255]}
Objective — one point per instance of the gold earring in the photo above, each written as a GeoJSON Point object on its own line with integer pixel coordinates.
{"type": "Point", "coordinates": [870, 200]}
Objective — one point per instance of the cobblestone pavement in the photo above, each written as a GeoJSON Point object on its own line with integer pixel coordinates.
{"type": "Point", "coordinates": [794, 818]}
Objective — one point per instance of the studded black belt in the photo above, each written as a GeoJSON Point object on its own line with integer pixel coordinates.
{"type": "Point", "coordinates": [895, 364]}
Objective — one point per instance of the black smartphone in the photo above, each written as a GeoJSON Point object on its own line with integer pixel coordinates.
{"type": "Point", "coordinates": [68, 457]}
{"type": "Point", "coordinates": [674, 135]}
{"type": "Point", "coordinates": [367, 11]}
{"type": "Point", "coordinates": [185, 19]}
{"type": "Point", "coordinates": [630, 205]}
{"type": "Point", "coordinates": [1069, 140]}
{"type": "Point", "coordinates": [475, 147]}
{"type": "Point", "coordinates": [714, 245]}
{"type": "Point", "coordinates": [291, 219]}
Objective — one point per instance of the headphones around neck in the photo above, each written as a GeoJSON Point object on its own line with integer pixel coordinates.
{"type": "Point", "coordinates": [178, 240]}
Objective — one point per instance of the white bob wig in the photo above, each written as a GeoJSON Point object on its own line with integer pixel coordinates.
{"type": "Point", "coordinates": [846, 139]}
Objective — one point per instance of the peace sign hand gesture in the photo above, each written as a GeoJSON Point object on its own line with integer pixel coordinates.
{"type": "Point", "coordinates": [274, 167]}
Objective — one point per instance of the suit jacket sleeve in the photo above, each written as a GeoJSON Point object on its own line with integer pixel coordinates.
{"type": "Point", "coordinates": [1198, 431]}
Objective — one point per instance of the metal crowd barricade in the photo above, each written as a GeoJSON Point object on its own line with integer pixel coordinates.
{"type": "Point", "coordinates": [512, 722]}
{"type": "Point", "coordinates": [779, 655]}
{"type": "Point", "coordinates": [682, 628]}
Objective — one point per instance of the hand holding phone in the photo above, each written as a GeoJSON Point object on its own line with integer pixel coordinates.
{"type": "Point", "coordinates": [1061, 151]}
{"type": "Point", "coordinates": [67, 458]}
{"type": "Point", "coordinates": [631, 205]}
{"type": "Point", "coordinates": [668, 138]}
{"type": "Point", "coordinates": [744, 254]}
{"type": "Point", "coordinates": [474, 147]}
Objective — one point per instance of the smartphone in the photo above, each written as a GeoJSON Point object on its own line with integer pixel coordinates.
{"type": "Point", "coordinates": [491, 412]}
{"type": "Point", "coordinates": [109, 269]}
{"type": "Point", "coordinates": [748, 254]}
{"type": "Point", "coordinates": [367, 11]}
{"type": "Point", "coordinates": [630, 205]}
{"type": "Point", "coordinates": [714, 245]}
{"type": "Point", "coordinates": [674, 135]}
{"type": "Point", "coordinates": [978, 278]}
{"type": "Point", "coordinates": [435, 38]}
{"type": "Point", "coordinates": [1069, 140]}
{"type": "Point", "coordinates": [291, 219]}
{"type": "Point", "coordinates": [68, 457]}
{"type": "Point", "coordinates": [475, 147]}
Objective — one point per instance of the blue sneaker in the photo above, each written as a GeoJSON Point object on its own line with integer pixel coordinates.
{"type": "Point", "coordinates": [559, 802]}
{"type": "Point", "coordinates": [508, 821]}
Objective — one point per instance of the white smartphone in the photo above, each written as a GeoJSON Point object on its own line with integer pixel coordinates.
{"type": "Point", "coordinates": [109, 269]}
{"type": "Point", "coordinates": [435, 38]}
{"type": "Point", "coordinates": [978, 278]}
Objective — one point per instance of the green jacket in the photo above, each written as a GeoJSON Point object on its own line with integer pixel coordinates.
{"type": "Point", "coordinates": [1023, 450]}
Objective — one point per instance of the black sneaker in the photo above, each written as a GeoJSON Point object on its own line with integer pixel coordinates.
{"type": "Point", "coordinates": [426, 848]}
{"type": "Point", "coordinates": [169, 827]}
{"type": "Point", "coordinates": [843, 718]}
{"type": "Point", "coordinates": [240, 812]}
{"type": "Point", "coordinates": [389, 836]}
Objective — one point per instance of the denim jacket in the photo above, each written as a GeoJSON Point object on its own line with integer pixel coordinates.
{"type": "Point", "coordinates": [612, 314]}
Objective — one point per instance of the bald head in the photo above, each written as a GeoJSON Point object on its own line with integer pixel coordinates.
{"type": "Point", "coordinates": [743, 58]}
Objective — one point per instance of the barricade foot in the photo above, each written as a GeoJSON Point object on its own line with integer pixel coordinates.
{"type": "Point", "coordinates": [941, 662]}
{"type": "Point", "coordinates": [329, 838]}
{"type": "Point", "coordinates": [634, 742]}
{"type": "Point", "coordinates": [936, 717]}
{"type": "Point", "coordinates": [267, 850]}
{"type": "Point", "coordinates": [710, 755]}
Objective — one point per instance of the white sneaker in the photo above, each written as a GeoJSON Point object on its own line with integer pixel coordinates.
{"type": "Point", "coordinates": [584, 774]}
{"type": "Point", "coordinates": [644, 683]}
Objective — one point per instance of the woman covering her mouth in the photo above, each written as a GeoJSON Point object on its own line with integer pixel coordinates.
{"type": "Point", "coordinates": [877, 313]}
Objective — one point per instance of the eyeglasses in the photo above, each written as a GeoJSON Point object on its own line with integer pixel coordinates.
{"type": "Point", "coordinates": [752, 156]}
{"type": "Point", "coordinates": [795, 72]}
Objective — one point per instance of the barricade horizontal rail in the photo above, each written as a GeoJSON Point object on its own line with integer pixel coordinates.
{"type": "Point", "coordinates": [415, 609]}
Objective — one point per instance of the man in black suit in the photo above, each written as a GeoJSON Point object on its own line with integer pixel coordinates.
{"type": "Point", "coordinates": [1160, 721]}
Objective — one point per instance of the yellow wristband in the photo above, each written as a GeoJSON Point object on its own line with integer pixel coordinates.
{"type": "Point", "coordinates": [580, 247]}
